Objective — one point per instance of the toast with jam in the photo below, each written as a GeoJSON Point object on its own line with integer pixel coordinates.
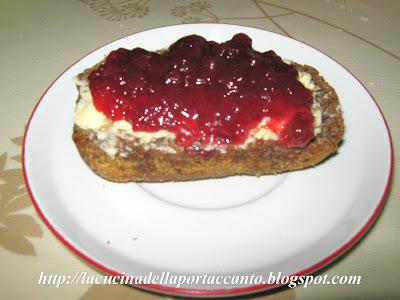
{"type": "Point", "coordinates": [202, 109]}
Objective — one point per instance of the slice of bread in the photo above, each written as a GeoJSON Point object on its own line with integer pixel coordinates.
{"type": "Point", "coordinates": [149, 164]}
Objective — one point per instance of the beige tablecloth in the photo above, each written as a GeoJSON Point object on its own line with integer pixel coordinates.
{"type": "Point", "coordinates": [40, 39]}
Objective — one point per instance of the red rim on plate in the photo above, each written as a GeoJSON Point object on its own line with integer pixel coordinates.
{"type": "Point", "coordinates": [216, 292]}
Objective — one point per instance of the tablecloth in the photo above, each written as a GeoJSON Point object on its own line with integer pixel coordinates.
{"type": "Point", "coordinates": [40, 39]}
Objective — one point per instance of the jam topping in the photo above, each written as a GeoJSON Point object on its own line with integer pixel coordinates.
{"type": "Point", "coordinates": [205, 92]}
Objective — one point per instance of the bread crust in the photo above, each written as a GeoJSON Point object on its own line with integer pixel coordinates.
{"type": "Point", "coordinates": [259, 158]}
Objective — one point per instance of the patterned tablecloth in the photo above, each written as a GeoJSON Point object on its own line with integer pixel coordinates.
{"type": "Point", "coordinates": [40, 39]}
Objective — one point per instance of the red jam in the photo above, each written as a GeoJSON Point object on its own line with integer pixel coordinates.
{"type": "Point", "coordinates": [204, 92]}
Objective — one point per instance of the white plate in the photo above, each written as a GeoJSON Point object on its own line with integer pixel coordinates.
{"type": "Point", "coordinates": [293, 223]}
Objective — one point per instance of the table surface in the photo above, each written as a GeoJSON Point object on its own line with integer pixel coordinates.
{"type": "Point", "coordinates": [40, 39]}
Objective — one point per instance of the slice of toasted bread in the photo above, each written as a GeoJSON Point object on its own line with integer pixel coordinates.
{"type": "Point", "coordinates": [141, 163]}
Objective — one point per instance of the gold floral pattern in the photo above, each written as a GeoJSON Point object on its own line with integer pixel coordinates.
{"type": "Point", "coordinates": [119, 10]}
{"type": "Point", "coordinates": [15, 226]}
{"type": "Point", "coordinates": [201, 12]}
{"type": "Point", "coordinates": [195, 12]}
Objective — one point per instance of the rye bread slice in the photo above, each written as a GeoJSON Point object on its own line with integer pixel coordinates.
{"type": "Point", "coordinates": [260, 158]}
